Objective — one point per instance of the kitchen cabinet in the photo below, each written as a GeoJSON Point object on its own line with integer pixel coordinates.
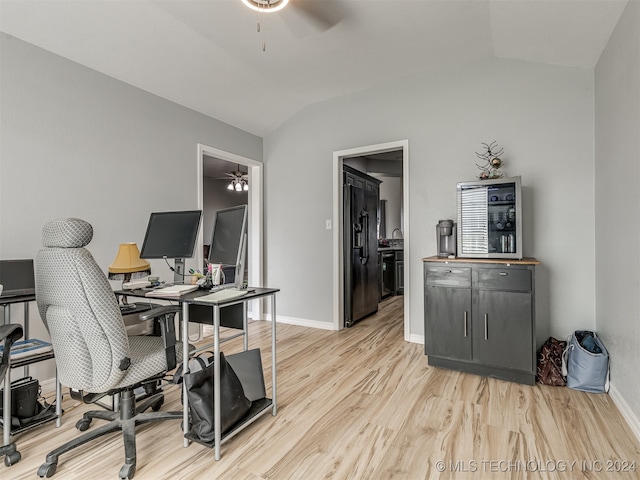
{"type": "Point", "coordinates": [386, 277]}
{"type": "Point", "coordinates": [480, 316]}
{"type": "Point", "coordinates": [399, 272]}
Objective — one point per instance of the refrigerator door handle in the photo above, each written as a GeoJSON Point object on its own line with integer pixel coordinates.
{"type": "Point", "coordinates": [364, 221]}
{"type": "Point", "coordinates": [365, 254]}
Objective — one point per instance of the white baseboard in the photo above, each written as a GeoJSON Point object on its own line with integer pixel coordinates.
{"type": "Point", "coordinates": [625, 410]}
{"type": "Point", "coordinates": [413, 338]}
{"type": "Point", "coordinates": [302, 322]}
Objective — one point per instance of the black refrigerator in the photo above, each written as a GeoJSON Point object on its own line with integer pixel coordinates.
{"type": "Point", "coordinates": [361, 286]}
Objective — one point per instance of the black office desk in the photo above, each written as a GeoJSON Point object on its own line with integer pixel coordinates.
{"type": "Point", "coordinates": [192, 298]}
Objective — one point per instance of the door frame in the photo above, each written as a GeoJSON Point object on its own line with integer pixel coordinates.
{"type": "Point", "coordinates": [255, 215]}
{"type": "Point", "coordinates": [338, 255]}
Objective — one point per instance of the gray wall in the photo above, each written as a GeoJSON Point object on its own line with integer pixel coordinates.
{"type": "Point", "coordinates": [74, 142]}
{"type": "Point", "coordinates": [617, 180]}
{"type": "Point", "coordinates": [542, 115]}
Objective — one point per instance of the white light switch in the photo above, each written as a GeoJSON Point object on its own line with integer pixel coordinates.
{"type": "Point", "coordinates": [328, 225]}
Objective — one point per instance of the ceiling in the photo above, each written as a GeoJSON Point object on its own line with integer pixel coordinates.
{"type": "Point", "coordinates": [207, 55]}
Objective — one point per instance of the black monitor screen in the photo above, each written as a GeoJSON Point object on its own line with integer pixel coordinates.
{"type": "Point", "coordinates": [229, 228]}
{"type": "Point", "coordinates": [171, 234]}
{"type": "Point", "coordinates": [17, 278]}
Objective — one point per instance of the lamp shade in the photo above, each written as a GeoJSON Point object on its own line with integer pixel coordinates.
{"type": "Point", "coordinates": [128, 261]}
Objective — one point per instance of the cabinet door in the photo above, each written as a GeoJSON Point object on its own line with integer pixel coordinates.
{"type": "Point", "coordinates": [399, 283]}
{"type": "Point", "coordinates": [502, 329]}
{"type": "Point", "coordinates": [448, 322]}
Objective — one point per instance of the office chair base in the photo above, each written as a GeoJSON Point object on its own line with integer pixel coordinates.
{"type": "Point", "coordinates": [125, 420]}
{"type": "Point", "coordinates": [11, 455]}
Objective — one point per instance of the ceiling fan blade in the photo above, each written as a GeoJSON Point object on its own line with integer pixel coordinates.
{"type": "Point", "coordinates": [321, 15]}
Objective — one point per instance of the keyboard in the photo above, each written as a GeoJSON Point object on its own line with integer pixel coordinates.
{"type": "Point", "coordinates": [226, 294]}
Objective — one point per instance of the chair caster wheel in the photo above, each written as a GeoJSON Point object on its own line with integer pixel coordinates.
{"type": "Point", "coordinates": [127, 471]}
{"type": "Point", "coordinates": [12, 458]}
{"type": "Point", "coordinates": [83, 424]}
{"type": "Point", "coordinates": [158, 405]}
{"type": "Point", "coordinates": [47, 470]}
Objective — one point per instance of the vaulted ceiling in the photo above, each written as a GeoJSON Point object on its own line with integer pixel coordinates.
{"type": "Point", "coordinates": [207, 54]}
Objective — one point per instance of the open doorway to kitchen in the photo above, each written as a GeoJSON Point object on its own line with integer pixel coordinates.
{"type": "Point", "coordinates": [392, 229]}
{"type": "Point", "coordinates": [218, 169]}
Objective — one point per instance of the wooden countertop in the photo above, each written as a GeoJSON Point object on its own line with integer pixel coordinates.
{"type": "Point", "coordinates": [513, 261]}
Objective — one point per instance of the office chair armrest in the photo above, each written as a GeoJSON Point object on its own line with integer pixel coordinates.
{"type": "Point", "coordinates": [165, 315]}
{"type": "Point", "coordinates": [9, 333]}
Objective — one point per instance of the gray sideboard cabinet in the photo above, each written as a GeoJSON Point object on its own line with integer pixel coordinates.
{"type": "Point", "coordinates": [480, 316]}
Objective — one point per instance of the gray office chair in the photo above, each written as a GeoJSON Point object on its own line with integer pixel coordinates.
{"type": "Point", "coordinates": [8, 335]}
{"type": "Point", "coordinates": [93, 353]}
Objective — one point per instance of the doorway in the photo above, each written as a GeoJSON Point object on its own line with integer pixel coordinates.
{"type": "Point", "coordinates": [207, 159]}
{"type": "Point", "coordinates": [339, 158]}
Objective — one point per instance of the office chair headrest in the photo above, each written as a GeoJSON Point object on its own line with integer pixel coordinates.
{"type": "Point", "coordinates": [67, 233]}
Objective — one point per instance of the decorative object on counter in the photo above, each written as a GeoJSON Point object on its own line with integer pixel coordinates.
{"type": "Point", "coordinates": [493, 162]}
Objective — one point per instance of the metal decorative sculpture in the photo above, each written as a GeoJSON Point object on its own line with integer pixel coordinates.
{"type": "Point", "coordinates": [493, 162]}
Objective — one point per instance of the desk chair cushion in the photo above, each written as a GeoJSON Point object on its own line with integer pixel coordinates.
{"type": "Point", "coordinates": [78, 306]}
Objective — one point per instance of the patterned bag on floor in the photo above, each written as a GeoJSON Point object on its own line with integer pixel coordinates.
{"type": "Point", "coordinates": [550, 363]}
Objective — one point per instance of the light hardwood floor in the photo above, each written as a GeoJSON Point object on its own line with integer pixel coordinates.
{"type": "Point", "coordinates": [363, 404]}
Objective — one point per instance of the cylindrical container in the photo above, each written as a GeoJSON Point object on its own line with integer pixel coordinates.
{"type": "Point", "coordinates": [512, 243]}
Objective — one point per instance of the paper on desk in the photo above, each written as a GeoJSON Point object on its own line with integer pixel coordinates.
{"type": "Point", "coordinates": [172, 291]}
{"type": "Point", "coordinates": [227, 294]}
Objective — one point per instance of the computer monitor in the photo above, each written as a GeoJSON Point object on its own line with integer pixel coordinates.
{"type": "Point", "coordinates": [16, 278]}
{"type": "Point", "coordinates": [172, 235]}
{"type": "Point", "coordinates": [229, 240]}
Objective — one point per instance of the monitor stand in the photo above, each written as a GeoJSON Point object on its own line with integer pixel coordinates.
{"type": "Point", "coordinates": [178, 271]}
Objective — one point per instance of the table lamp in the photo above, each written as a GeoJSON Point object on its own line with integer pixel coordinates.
{"type": "Point", "coordinates": [128, 264]}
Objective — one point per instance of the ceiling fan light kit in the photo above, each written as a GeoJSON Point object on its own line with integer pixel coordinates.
{"type": "Point", "coordinates": [266, 5]}
{"type": "Point", "coordinates": [239, 181]}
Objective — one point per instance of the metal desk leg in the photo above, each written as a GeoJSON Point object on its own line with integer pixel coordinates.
{"type": "Point", "coordinates": [58, 401]}
{"type": "Point", "coordinates": [273, 353]}
{"type": "Point", "coordinates": [245, 326]}
{"type": "Point", "coordinates": [217, 434]}
{"type": "Point", "coordinates": [6, 402]}
{"type": "Point", "coordinates": [185, 369]}
{"type": "Point", "coordinates": [26, 332]}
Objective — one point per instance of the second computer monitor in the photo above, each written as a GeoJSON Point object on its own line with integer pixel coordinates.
{"type": "Point", "coordinates": [229, 240]}
{"type": "Point", "coordinates": [172, 235]}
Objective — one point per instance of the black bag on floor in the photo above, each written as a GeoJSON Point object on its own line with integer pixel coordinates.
{"type": "Point", "coordinates": [549, 370]}
{"type": "Point", "coordinates": [24, 397]}
{"type": "Point", "coordinates": [233, 403]}
{"type": "Point", "coordinates": [25, 407]}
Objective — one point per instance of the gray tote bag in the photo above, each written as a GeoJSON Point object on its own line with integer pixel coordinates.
{"type": "Point", "coordinates": [585, 363]}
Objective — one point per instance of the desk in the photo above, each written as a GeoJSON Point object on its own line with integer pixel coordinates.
{"type": "Point", "coordinates": [192, 298]}
{"type": "Point", "coordinates": [24, 362]}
